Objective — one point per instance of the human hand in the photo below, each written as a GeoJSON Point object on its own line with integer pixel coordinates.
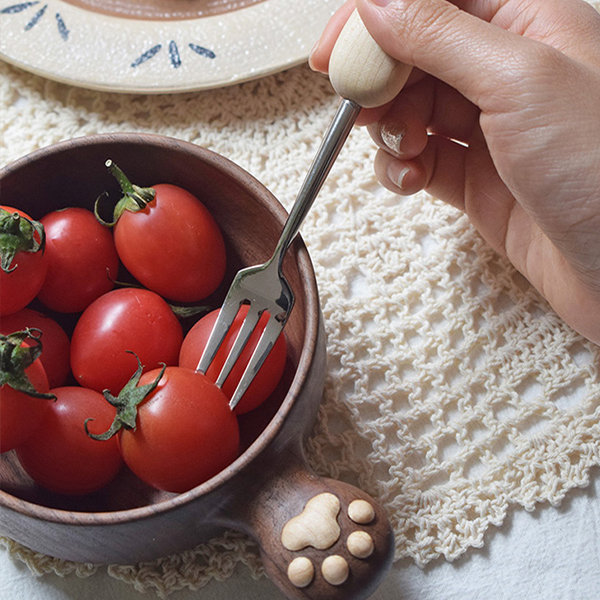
{"type": "Point", "coordinates": [501, 119]}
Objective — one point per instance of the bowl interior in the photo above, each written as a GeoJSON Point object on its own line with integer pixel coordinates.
{"type": "Point", "coordinates": [73, 174]}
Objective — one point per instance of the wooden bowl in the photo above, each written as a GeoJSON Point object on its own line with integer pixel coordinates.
{"type": "Point", "coordinates": [270, 483]}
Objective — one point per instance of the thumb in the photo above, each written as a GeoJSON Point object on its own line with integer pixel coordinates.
{"type": "Point", "coordinates": [468, 53]}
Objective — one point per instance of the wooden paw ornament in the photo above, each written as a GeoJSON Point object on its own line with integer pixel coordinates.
{"type": "Point", "coordinates": [317, 527]}
{"type": "Point", "coordinates": [322, 539]}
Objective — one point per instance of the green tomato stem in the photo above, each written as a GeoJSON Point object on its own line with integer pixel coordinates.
{"type": "Point", "coordinates": [135, 198]}
{"type": "Point", "coordinates": [184, 312]}
{"type": "Point", "coordinates": [126, 403]}
{"type": "Point", "coordinates": [16, 357]}
{"type": "Point", "coordinates": [18, 234]}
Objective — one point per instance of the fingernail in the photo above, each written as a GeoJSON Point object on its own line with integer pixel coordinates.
{"type": "Point", "coordinates": [398, 175]}
{"type": "Point", "coordinates": [312, 51]}
{"type": "Point", "coordinates": [392, 136]}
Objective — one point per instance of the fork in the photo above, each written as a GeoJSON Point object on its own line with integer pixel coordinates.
{"type": "Point", "coordinates": [264, 287]}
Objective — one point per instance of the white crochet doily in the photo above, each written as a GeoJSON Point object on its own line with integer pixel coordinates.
{"type": "Point", "coordinates": [453, 392]}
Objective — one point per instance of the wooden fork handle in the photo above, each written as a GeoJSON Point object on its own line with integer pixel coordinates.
{"type": "Point", "coordinates": [361, 71]}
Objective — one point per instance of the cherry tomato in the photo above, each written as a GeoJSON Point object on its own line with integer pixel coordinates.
{"type": "Point", "coordinates": [173, 245]}
{"type": "Point", "coordinates": [119, 322]}
{"type": "Point", "coordinates": [55, 342]}
{"type": "Point", "coordinates": [82, 260]}
{"type": "Point", "coordinates": [21, 414]}
{"type": "Point", "coordinates": [61, 457]}
{"type": "Point", "coordinates": [184, 433]}
{"type": "Point", "coordinates": [268, 376]}
{"type": "Point", "coordinates": [22, 273]}
{"type": "Point", "coordinates": [24, 397]}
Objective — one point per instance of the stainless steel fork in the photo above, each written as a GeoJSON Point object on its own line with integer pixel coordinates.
{"type": "Point", "coordinates": [264, 287]}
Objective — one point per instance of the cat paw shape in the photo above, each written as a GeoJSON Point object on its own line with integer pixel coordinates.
{"type": "Point", "coordinates": [317, 526]}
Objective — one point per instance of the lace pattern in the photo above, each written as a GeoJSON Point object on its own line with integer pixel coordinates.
{"type": "Point", "coordinates": [453, 392]}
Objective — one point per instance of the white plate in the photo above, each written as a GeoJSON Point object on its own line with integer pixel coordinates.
{"type": "Point", "coordinates": [79, 46]}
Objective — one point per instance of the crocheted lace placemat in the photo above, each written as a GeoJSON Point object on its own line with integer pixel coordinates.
{"type": "Point", "coordinates": [453, 392]}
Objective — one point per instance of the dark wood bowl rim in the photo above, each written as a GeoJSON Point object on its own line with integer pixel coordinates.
{"type": "Point", "coordinates": [234, 171]}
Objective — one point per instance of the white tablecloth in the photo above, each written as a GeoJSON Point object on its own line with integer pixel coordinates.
{"type": "Point", "coordinates": [549, 554]}
{"type": "Point", "coordinates": [430, 335]}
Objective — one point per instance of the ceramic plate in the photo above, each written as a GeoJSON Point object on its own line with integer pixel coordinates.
{"type": "Point", "coordinates": [159, 46]}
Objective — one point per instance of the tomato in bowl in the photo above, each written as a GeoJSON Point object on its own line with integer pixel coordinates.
{"type": "Point", "coordinates": [269, 483]}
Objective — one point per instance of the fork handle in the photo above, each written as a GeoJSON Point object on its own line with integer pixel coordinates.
{"type": "Point", "coordinates": [329, 149]}
{"type": "Point", "coordinates": [361, 71]}
{"type": "Point", "coordinates": [364, 76]}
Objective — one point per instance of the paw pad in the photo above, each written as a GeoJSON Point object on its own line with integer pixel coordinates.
{"type": "Point", "coordinates": [335, 569]}
{"type": "Point", "coordinates": [301, 571]}
{"type": "Point", "coordinates": [361, 511]}
{"type": "Point", "coordinates": [317, 526]}
{"type": "Point", "coordinates": [360, 544]}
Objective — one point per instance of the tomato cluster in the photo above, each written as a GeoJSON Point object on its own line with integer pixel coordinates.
{"type": "Point", "coordinates": [105, 371]}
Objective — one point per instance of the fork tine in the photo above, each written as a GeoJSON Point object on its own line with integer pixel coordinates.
{"type": "Point", "coordinates": [267, 339]}
{"type": "Point", "coordinates": [228, 312]}
{"type": "Point", "coordinates": [240, 342]}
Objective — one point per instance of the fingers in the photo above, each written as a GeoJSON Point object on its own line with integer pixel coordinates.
{"type": "Point", "coordinates": [410, 159]}
{"type": "Point", "coordinates": [462, 50]}
{"type": "Point", "coordinates": [404, 177]}
{"type": "Point", "coordinates": [571, 26]}
{"type": "Point", "coordinates": [439, 169]}
{"type": "Point", "coordinates": [402, 130]}
{"type": "Point", "coordinates": [319, 56]}
{"type": "Point", "coordinates": [476, 46]}
{"type": "Point", "coordinates": [431, 105]}
{"type": "Point", "coordinates": [456, 174]}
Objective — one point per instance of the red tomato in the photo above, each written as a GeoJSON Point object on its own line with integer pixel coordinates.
{"type": "Point", "coordinates": [119, 322]}
{"type": "Point", "coordinates": [61, 457]}
{"type": "Point", "coordinates": [267, 378]}
{"type": "Point", "coordinates": [26, 271]}
{"type": "Point", "coordinates": [20, 414]}
{"type": "Point", "coordinates": [82, 260]}
{"type": "Point", "coordinates": [173, 246]}
{"type": "Point", "coordinates": [185, 432]}
{"type": "Point", "coordinates": [55, 342]}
